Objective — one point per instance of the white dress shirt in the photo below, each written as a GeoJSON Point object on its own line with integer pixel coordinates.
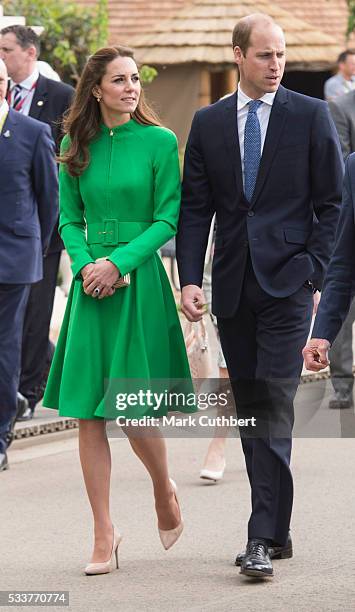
{"type": "Point", "coordinates": [263, 114]}
{"type": "Point", "coordinates": [4, 109]}
{"type": "Point", "coordinates": [26, 93]}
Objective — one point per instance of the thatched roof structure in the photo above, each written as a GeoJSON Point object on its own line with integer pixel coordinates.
{"type": "Point", "coordinates": [329, 16]}
{"type": "Point", "coordinates": [201, 32]}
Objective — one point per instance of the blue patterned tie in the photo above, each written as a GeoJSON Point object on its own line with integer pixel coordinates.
{"type": "Point", "coordinates": [252, 149]}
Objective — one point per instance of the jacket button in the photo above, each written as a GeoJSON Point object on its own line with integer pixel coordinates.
{"type": "Point", "coordinates": [251, 213]}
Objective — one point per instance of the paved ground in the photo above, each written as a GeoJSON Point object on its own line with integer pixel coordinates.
{"type": "Point", "coordinates": [46, 531]}
{"type": "Point", "coordinates": [46, 525]}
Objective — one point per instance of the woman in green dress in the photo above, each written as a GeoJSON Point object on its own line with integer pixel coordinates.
{"type": "Point", "coordinates": [119, 203]}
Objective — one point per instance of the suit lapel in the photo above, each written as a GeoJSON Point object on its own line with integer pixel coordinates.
{"type": "Point", "coordinates": [39, 98]}
{"type": "Point", "coordinates": [230, 130]}
{"type": "Point", "coordinates": [276, 124]}
{"type": "Point", "coordinates": [8, 133]}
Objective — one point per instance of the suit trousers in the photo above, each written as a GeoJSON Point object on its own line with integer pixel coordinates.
{"type": "Point", "coordinates": [341, 357]}
{"type": "Point", "coordinates": [35, 345]}
{"type": "Point", "coordinates": [13, 300]}
{"type": "Point", "coordinates": [262, 344]}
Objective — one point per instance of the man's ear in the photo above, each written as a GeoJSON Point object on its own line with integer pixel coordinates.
{"type": "Point", "coordinates": [238, 55]}
{"type": "Point", "coordinates": [32, 52]}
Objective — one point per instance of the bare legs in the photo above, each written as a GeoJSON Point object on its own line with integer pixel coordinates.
{"type": "Point", "coordinates": [95, 458]}
{"type": "Point", "coordinates": [150, 448]}
{"type": "Point", "coordinates": [214, 460]}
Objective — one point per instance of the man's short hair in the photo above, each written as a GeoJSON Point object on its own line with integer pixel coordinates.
{"type": "Point", "coordinates": [342, 56]}
{"type": "Point", "coordinates": [26, 37]}
{"type": "Point", "coordinates": [244, 27]}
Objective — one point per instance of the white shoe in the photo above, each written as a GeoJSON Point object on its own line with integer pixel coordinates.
{"type": "Point", "coordinates": [107, 566]}
{"type": "Point", "coordinates": [213, 475]}
{"type": "Point", "coordinates": [168, 537]}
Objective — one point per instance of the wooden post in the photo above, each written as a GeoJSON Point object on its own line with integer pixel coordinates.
{"type": "Point", "coordinates": [231, 79]}
{"type": "Point", "coordinates": [204, 97]}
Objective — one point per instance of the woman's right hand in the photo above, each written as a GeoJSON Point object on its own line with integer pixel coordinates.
{"type": "Point", "coordinates": [86, 272]}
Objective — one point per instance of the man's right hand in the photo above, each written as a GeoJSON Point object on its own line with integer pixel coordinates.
{"type": "Point", "coordinates": [192, 302]}
{"type": "Point", "coordinates": [315, 354]}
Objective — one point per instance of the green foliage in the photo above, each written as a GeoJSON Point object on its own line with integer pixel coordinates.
{"type": "Point", "coordinates": [71, 32]}
{"type": "Point", "coordinates": [147, 73]}
{"type": "Point", "coordinates": [351, 18]}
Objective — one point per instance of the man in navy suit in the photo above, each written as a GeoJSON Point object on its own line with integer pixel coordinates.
{"type": "Point", "coordinates": [47, 101]}
{"type": "Point", "coordinates": [267, 161]}
{"type": "Point", "coordinates": [28, 212]}
{"type": "Point", "coordinates": [339, 282]}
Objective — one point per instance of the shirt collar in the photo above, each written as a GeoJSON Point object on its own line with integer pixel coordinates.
{"type": "Point", "coordinates": [27, 83]}
{"type": "Point", "coordinates": [243, 99]}
{"type": "Point", "coordinates": [4, 109]}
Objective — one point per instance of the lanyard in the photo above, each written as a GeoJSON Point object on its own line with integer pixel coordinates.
{"type": "Point", "coordinates": [2, 122]}
{"type": "Point", "coordinates": [20, 104]}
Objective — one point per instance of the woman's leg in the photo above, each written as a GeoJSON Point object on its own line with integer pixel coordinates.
{"type": "Point", "coordinates": [150, 448]}
{"type": "Point", "coordinates": [95, 458]}
{"type": "Point", "coordinates": [215, 456]}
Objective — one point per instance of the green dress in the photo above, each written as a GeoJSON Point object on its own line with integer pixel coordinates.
{"type": "Point", "coordinates": [124, 206]}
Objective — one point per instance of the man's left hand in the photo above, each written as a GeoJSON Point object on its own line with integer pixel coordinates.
{"type": "Point", "coordinates": [315, 354]}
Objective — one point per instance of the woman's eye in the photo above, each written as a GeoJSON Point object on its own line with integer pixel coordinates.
{"type": "Point", "coordinates": [136, 79]}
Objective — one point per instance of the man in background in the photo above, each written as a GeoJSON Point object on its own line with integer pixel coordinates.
{"type": "Point", "coordinates": [28, 212]}
{"type": "Point", "coordinates": [30, 93]}
{"type": "Point", "coordinates": [344, 80]}
{"type": "Point", "coordinates": [341, 352]}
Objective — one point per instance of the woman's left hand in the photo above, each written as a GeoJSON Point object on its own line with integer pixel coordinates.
{"type": "Point", "coordinates": [102, 276]}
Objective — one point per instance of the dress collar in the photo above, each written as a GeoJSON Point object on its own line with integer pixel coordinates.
{"type": "Point", "coordinates": [28, 82]}
{"type": "Point", "coordinates": [243, 99]}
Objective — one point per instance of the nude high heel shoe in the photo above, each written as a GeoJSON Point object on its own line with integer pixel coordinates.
{"type": "Point", "coordinates": [107, 566]}
{"type": "Point", "coordinates": [168, 537]}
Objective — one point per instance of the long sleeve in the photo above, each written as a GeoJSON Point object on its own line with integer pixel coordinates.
{"type": "Point", "coordinates": [71, 219]}
{"type": "Point", "coordinates": [45, 184]}
{"type": "Point", "coordinates": [326, 189]}
{"type": "Point", "coordinates": [196, 214]}
{"type": "Point", "coordinates": [337, 292]}
{"type": "Point", "coordinates": [343, 127]}
{"type": "Point", "coordinates": [167, 194]}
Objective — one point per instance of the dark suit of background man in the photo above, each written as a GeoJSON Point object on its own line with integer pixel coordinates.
{"type": "Point", "coordinates": [341, 353]}
{"type": "Point", "coordinates": [338, 286]}
{"type": "Point", "coordinates": [276, 218]}
{"type": "Point", "coordinates": [45, 100]}
{"type": "Point", "coordinates": [28, 212]}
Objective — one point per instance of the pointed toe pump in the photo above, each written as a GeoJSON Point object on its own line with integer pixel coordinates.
{"type": "Point", "coordinates": [107, 566]}
{"type": "Point", "coordinates": [168, 537]}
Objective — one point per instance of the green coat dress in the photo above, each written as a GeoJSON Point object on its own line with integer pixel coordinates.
{"type": "Point", "coordinates": [124, 206]}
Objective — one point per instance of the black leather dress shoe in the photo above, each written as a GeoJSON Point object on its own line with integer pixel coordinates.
{"type": "Point", "coordinates": [275, 552]}
{"type": "Point", "coordinates": [341, 402]}
{"type": "Point", "coordinates": [22, 405]}
{"type": "Point", "coordinates": [256, 561]}
{"type": "Point", "coordinates": [4, 464]}
{"type": "Point", "coordinates": [26, 416]}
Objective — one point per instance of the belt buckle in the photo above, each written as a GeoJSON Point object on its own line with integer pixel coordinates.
{"type": "Point", "coordinates": [110, 231]}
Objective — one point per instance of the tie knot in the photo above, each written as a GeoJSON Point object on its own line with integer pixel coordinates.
{"type": "Point", "coordinates": [254, 105]}
{"type": "Point", "coordinates": [18, 88]}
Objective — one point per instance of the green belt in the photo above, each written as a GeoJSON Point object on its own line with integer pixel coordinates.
{"type": "Point", "coordinates": [112, 232]}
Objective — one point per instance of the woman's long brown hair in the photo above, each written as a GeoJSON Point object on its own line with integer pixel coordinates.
{"type": "Point", "coordinates": [82, 122]}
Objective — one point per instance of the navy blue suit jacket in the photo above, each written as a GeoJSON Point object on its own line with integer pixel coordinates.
{"type": "Point", "coordinates": [28, 197]}
{"type": "Point", "coordinates": [340, 277]}
{"type": "Point", "coordinates": [288, 227]}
